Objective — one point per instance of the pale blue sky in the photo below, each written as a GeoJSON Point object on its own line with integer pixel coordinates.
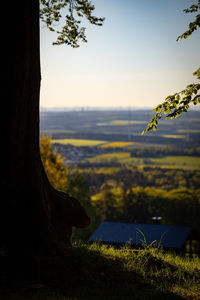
{"type": "Point", "coordinates": [133, 60]}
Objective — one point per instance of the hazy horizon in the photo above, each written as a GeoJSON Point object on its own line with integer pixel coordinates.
{"type": "Point", "coordinates": [96, 108]}
{"type": "Point", "coordinates": [102, 108]}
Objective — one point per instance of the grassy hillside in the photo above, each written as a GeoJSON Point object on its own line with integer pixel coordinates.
{"type": "Point", "coordinates": [101, 272]}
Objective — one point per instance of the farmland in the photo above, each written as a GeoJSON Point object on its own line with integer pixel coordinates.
{"type": "Point", "coordinates": [123, 176]}
{"type": "Point", "coordinates": [105, 145]}
{"type": "Point", "coordinates": [173, 161]}
{"type": "Point", "coordinates": [121, 126]}
{"type": "Point", "coordinates": [115, 136]}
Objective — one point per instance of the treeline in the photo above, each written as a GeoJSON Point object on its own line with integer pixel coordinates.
{"type": "Point", "coordinates": [164, 151]}
{"type": "Point", "coordinates": [139, 205]}
{"type": "Point", "coordinates": [134, 176]}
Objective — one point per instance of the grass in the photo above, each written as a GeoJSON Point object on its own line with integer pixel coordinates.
{"type": "Point", "coordinates": [78, 142]}
{"type": "Point", "coordinates": [94, 272]}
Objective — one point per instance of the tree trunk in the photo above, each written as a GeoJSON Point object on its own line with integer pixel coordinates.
{"type": "Point", "coordinates": [33, 215]}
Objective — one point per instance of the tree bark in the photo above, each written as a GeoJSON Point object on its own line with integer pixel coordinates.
{"type": "Point", "coordinates": [34, 217]}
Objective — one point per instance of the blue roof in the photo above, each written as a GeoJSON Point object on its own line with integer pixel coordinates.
{"type": "Point", "coordinates": [166, 236]}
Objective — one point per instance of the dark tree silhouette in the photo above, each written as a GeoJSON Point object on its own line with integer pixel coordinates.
{"type": "Point", "coordinates": [34, 217]}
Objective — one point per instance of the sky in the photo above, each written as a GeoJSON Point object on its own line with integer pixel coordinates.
{"type": "Point", "coordinates": [133, 60]}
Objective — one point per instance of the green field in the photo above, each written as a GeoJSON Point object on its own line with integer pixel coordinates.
{"type": "Point", "coordinates": [171, 161]}
{"type": "Point", "coordinates": [188, 161]}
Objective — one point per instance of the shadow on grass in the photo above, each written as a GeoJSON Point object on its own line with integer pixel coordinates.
{"type": "Point", "coordinates": [82, 275]}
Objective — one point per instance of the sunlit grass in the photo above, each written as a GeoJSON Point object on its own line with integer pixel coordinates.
{"type": "Point", "coordinates": [96, 271]}
{"type": "Point", "coordinates": [164, 271]}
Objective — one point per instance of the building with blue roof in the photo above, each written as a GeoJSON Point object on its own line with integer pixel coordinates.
{"type": "Point", "coordinates": [166, 236]}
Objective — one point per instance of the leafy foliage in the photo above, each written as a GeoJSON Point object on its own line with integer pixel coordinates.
{"type": "Point", "coordinates": [53, 163]}
{"type": "Point", "coordinates": [71, 182]}
{"type": "Point", "coordinates": [72, 32]}
{"type": "Point", "coordinates": [193, 25]}
{"type": "Point", "coordinates": [143, 176]}
{"type": "Point", "coordinates": [174, 105]}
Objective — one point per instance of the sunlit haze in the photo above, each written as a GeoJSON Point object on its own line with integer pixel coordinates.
{"type": "Point", "coordinates": [133, 60]}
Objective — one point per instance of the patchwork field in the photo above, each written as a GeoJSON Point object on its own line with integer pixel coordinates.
{"type": "Point", "coordinates": [111, 136]}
